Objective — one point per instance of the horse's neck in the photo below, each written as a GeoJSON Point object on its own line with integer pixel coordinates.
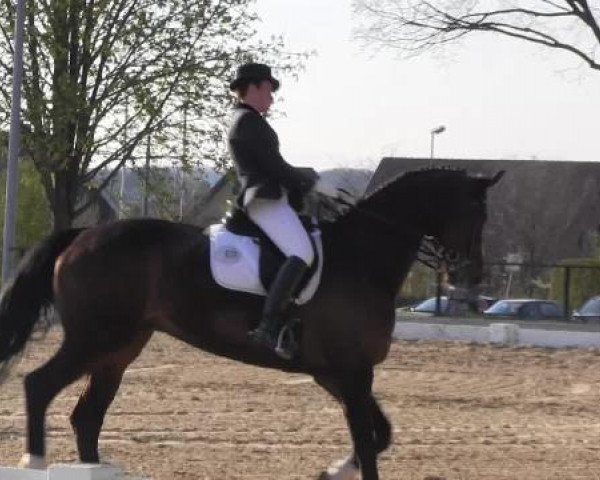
{"type": "Point", "coordinates": [383, 234]}
{"type": "Point", "coordinates": [375, 251]}
{"type": "Point", "coordinates": [414, 204]}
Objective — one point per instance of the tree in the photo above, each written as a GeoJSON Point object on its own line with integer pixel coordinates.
{"type": "Point", "coordinates": [110, 82]}
{"type": "Point", "coordinates": [33, 213]}
{"type": "Point", "coordinates": [415, 26]}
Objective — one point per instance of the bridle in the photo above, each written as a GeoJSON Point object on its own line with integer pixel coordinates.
{"type": "Point", "coordinates": [433, 254]}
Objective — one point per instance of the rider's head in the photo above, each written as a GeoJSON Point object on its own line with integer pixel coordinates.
{"type": "Point", "coordinates": [254, 85]}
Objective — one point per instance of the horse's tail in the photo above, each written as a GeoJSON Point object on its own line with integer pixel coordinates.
{"type": "Point", "coordinates": [26, 293]}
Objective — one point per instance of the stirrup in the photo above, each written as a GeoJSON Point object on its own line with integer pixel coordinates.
{"type": "Point", "coordinates": [287, 346]}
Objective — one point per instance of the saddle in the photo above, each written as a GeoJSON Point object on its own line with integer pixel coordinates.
{"type": "Point", "coordinates": [243, 258]}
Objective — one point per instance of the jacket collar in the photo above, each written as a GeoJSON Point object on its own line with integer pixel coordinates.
{"type": "Point", "coordinates": [245, 106]}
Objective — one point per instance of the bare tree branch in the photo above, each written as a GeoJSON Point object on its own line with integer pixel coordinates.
{"type": "Point", "coordinates": [412, 27]}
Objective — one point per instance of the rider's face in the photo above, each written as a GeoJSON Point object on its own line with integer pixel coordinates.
{"type": "Point", "coordinates": [260, 96]}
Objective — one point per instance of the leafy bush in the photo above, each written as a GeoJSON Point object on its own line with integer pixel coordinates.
{"type": "Point", "coordinates": [584, 280]}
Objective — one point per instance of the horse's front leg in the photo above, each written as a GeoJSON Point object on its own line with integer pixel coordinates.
{"type": "Point", "coordinates": [369, 428]}
{"type": "Point", "coordinates": [360, 421]}
{"type": "Point", "coordinates": [346, 469]}
{"type": "Point", "coordinates": [382, 427]}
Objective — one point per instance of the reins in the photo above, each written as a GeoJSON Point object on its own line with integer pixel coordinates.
{"type": "Point", "coordinates": [370, 214]}
{"type": "Point", "coordinates": [430, 250]}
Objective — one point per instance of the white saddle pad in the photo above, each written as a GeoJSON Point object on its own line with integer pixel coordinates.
{"type": "Point", "coordinates": [234, 261]}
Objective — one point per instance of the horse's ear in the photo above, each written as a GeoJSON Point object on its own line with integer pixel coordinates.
{"type": "Point", "coordinates": [496, 178]}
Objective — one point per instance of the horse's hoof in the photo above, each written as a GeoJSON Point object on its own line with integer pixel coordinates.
{"type": "Point", "coordinates": [341, 470]}
{"type": "Point", "coordinates": [34, 462]}
{"type": "Point", "coordinates": [352, 476]}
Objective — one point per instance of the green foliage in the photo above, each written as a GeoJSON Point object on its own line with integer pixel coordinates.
{"type": "Point", "coordinates": [102, 77]}
{"type": "Point", "coordinates": [34, 219]}
{"type": "Point", "coordinates": [584, 280]}
{"type": "Point", "coordinates": [419, 284]}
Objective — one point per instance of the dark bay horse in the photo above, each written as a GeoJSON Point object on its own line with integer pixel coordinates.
{"type": "Point", "coordinates": [114, 285]}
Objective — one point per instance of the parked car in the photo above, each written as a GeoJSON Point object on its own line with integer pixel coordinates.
{"type": "Point", "coordinates": [525, 309]}
{"type": "Point", "coordinates": [428, 306]}
{"type": "Point", "coordinates": [588, 312]}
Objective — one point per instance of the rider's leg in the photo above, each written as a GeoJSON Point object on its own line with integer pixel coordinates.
{"type": "Point", "coordinates": [282, 225]}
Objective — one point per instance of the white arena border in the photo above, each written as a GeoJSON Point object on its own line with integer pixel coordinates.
{"type": "Point", "coordinates": [83, 471]}
{"type": "Point", "coordinates": [499, 333]}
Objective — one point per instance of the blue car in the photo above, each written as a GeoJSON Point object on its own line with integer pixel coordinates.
{"type": "Point", "coordinates": [428, 306]}
{"type": "Point", "coordinates": [525, 309]}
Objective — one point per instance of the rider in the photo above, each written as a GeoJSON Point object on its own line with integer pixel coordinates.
{"type": "Point", "coordinates": [271, 191]}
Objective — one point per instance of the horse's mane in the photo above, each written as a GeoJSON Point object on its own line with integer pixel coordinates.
{"type": "Point", "coordinates": [395, 184]}
{"type": "Point", "coordinates": [402, 178]}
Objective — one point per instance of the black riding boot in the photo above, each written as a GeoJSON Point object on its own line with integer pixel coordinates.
{"type": "Point", "coordinates": [279, 297]}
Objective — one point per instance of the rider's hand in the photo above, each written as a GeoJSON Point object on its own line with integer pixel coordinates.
{"type": "Point", "coordinates": [325, 189]}
{"type": "Point", "coordinates": [339, 194]}
{"type": "Point", "coordinates": [346, 197]}
{"type": "Point", "coordinates": [335, 199]}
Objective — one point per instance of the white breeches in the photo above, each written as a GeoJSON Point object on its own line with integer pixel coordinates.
{"type": "Point", "coordinates": [281, 224]}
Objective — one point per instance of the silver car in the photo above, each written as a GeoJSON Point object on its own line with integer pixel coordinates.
{"type": "Point", "coordinates": [588, 312]}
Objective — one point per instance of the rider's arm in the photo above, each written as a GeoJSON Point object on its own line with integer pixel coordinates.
{"type": "Point", "coordinates": [261, 140]}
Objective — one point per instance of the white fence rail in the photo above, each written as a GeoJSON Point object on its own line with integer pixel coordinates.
{"type": "Point", "coordinates": [65, 472]}
{"type": "Point", "coordinates": [501, 333]}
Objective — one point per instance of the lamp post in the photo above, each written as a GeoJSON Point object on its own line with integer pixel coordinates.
{"type": "Point", "coordinates": [438, 288]}
{"type": "Point", "coordinates": [14, 142]}
{"type": "Point", "coordinates": [434, 132]}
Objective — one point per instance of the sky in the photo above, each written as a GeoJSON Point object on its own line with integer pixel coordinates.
{"type": "Point", "coordinates": [497, 98]}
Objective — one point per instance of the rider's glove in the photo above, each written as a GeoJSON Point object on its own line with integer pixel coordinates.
{"type": "Point", "coordinates": [335, 199]}
{"type": "Point", "coordinates": [326, 189]}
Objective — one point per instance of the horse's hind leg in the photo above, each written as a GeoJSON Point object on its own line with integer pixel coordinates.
{"type": "Point", "coordinates": [88, 416]}
{"type": "Point", "coordinates": [105, 378]}
{"type": "Point", "coordinates": [41, 386]}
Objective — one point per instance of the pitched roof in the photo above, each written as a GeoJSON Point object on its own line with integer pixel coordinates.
{"type": "Point", "coordinates": [392, 166]}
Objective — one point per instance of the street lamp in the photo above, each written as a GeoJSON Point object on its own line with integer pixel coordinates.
{"type": "Point", "coordinates": [14, 144]}
{"type": "Point", "coordinates": [434, 132]}
{"type": "Point", "coordinates": [438, 290]}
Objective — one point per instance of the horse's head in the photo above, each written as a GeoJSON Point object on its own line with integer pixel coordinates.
{"type": "Point", "coordinates": [458, 229]}
{"type": "Point", "coordinates": [447, 206]}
